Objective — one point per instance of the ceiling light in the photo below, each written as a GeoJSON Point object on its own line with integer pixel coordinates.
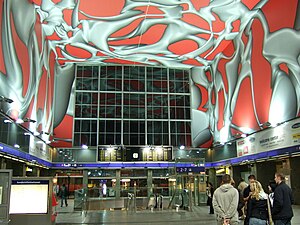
{"type": "Point", "coordinates": [35, 133]}
{"type": "Point", "coordinates": [110, 149]}
{"type": "Point", "coordinates": [84, 146]}
{"type": "Point", "coordinates": [19, 121]}
{"type": "Point", "coordinates": [16, 146]}
{"type": "Point", "coordinates": [7, 121]}
{"type": "Point", "coordinates": [4, 99]}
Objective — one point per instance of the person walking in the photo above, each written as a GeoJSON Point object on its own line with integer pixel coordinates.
{"type": "Point", "coordinates": [282, 211]}
{"type": "Point", "coordinates": [225, 202]}
{"type": "Point", "coordinates": [63, 194]}
{"type": "Point", "coordinates": [258, 205]}
{"type": "Point", "coordinates": [209, 193]}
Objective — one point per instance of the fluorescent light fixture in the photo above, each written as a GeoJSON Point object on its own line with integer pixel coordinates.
{"type": "Point", "coordinates": [146, 150]}
{"type": "Point", "coordinates": [35, 133]}
{"type": "Point", "coordinates": [8, 100]}
{"type": "Point", "coordinates": [125, 180]}
{"type": "Point", "coordinates": [222, 170]}
{"type": "Point", "coordinates": [19, 121]}
{"type": "Point", "coordinates": [7, 121]}
{"type": "Point", "coordinates": [159, 150]}
{"type": "Point", "coordinates": [28, 169]}
{"type": "Point", "coordinates": [110, 149]}
{"type": "Point", "coordinates": [84, 146]}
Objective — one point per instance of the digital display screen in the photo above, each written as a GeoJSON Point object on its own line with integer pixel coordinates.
{"type": "Point", "coordinates": [29, 197]}
{"type": "Point", "coordinates": [190, 169]}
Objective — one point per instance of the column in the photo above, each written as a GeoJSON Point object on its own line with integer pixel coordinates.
{"type": "Point", "coordinates": [38, 171]}
{"type": "Point", "coordinates": [149, 182]}
{"type": "Point", "coordinates": [85, 179]}
{"type": "Point", "coordinates": [24, 170]}
{"type": "Point", "coordinates": [118, 186]}
{"type": "Point", "coordinates": [3, 163]}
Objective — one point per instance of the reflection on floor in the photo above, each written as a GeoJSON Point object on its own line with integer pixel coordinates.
{"type": "Point", "coordinates": [199, 215]}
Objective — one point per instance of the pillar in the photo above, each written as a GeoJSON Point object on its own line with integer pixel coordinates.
{"type": "Point", "coordinates": [118, 185]}
{"type": "Point", "coordinates": [24, 170]}
{"type": "Point", "coordinates": [85, 179]}
{"type": "Point", "coordinates": [149, 183]}
{"type": "Point", "coordinates": [2, 163]}
{"type": "Point", "coordinates": [38, 171]}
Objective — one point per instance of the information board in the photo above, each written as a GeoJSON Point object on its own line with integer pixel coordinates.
{"type": "Point", "coordinates": [29, 197]}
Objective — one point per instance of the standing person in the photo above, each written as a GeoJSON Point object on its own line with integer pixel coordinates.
{"type": "Point", "coordinates": [258, 205]}
{"type": "Point", "coordinates": [282, 211]}
{"type": "Point", "coordinates": [241, 187]}
{"type": "Point", "coordinates": [63, 193]}
{"type": "Point", "coordinates": [210, 192]}
{"type": "Point", "coordinates": [225, 202]}
{"type": "Point", "coordinates": [246, 195]}
{"type": "Point", "coordinates": [271, 187]}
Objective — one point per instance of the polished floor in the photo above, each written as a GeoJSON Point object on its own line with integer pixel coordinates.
{"type": "Point", "coordinates": [199, 215]}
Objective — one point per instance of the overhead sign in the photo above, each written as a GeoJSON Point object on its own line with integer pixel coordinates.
{"type": "Point", "coordinates": [190, 169]}
{"type": "Point", "coordinates": [283, 136]}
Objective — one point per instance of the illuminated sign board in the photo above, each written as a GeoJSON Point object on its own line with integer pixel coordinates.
{"type": "Point", "coordinates": [29, 197]}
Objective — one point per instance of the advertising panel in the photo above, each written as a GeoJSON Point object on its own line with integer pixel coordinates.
{"type": "Point", "coordinates": [285, 135]}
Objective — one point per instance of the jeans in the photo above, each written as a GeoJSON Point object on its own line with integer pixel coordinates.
{"type": "Point", "coordinates": [63, 199]}
{"type": "Point", "coordinates": [282, 222]}
{"type": "Point", "coordinates": [255, 221]}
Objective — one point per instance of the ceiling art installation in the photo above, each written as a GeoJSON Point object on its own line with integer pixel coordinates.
{"type": "Point", "coordinates": [243, 55]}
{"type": "Point", "coordinates": [177, 33]}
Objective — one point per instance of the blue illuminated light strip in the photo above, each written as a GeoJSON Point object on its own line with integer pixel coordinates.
{"type": "Point", "coordinates": [23, 155]}
{"type": "Point", "coordinates": [234, 161]}
{"type": "Point", "coordinates": [124, 165]}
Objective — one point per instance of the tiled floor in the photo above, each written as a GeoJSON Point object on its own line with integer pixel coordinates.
{"type": "Point", "coordinates": [199, 215]}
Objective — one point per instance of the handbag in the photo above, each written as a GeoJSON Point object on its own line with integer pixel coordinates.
{"type": "Point", "coordinates": [270, 222]}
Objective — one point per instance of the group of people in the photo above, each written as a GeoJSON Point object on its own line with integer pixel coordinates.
{"type": "Point", "coordinates": [260, 208]}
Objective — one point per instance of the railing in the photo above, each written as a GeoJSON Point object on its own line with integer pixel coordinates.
{"type": "Point", "coordinates": [160, 199]}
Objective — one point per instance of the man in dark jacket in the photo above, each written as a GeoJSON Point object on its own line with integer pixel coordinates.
{"type": "Point", "coordinates": [282, 211]}
{"type": "Point", "coordinates": [247, 195]}
{"type": "Point", "coordinates": [63, 193]}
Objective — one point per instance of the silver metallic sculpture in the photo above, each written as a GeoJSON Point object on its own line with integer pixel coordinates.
{"type": "Point", "coordinates": [94, 35]}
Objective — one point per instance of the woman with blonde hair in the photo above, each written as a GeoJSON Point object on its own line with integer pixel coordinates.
{"type": "Point", "coordinates": [258, 205]}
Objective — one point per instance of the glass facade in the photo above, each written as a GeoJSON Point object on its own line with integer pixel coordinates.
{"type": "Point", "coordinates": [131, 105]}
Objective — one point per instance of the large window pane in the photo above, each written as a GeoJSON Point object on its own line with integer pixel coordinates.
{"type": "Point", "coordinates": [122, 97]}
